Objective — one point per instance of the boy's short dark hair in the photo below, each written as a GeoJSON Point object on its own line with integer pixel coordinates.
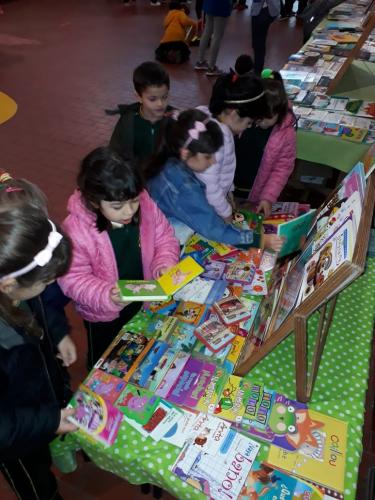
{"type": "Point", "coordinates": [147, 74]}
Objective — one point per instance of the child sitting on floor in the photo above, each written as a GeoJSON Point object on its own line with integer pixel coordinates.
{"type": "Point", "coordinates": [179, 29]}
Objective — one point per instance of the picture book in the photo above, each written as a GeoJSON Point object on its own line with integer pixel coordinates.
{"type": "Point", "coordinates": [182, 337]}
{"type": "Point", "coordinates": [213, 270]}
{"type": "Point", "coordinates": [180, 275]}
{"type": "Point", "coordinates": [179, 432]}
{"type": "Point", "coordinates": [160, 326]}
{"type": "Point", "coordinates": [239, 271]}
{"type": "Point", "coordinates": [214, 334]}
{"type": "Point", "coordinates": [251, 255]}
{"type": "Point", "coordinates": [199, 386]}
{"type": "Point", "coordinates": [258, 286]}
{"type": "Point", "coordinates": [159, 371]}
{"type": "Point", "coordinates": [202, 291]}
{"type": "Point", "coordinates": [319, 452]}
{"type": "Point", "coordinates": [105, 385]}
{"type": "Point", "coordinates": [95, 416]}
{"type": "Point", "coordinates": [231, 310]}
{"type": "Point", "coordinates": [234, 354]}
{"type": "Point", "coordinates": [208, 433]}
{"type": "Point", "coordinates": [265, 482]}
{"type": "Point", "coordinates": [137, 404]}
{"type": "Point", "coordinates": [140, 322]}
{"type": "Point", "coordinates": [248, 220]}
{"type": "Point", "coordinates": [139, 290]}
{"type": "Point", "coordinates": [186, 382]}
{"type": "Point", "coordinates": [369, 161]}
{"type": "Point", "coordinates": [158, 427]}
{"type": "Point", "coordinates": [231, 404]}
{"type": "Point", "coordinates": [208, 401]}
{"type": "Point", "coordinates": [190, 312]}
{"type": "Point", "coordinates": [295, 232]}
{"type": "Point", "coordinates": [221, 476]}
{"type": "Point", "coordinates": [124, 354]}
{"type": "Point", "coordinates": [147, 369]}
{"type": "Point", "coordinates": [166, 307]}
{"type": "Point", "coordinates": [172, 374]}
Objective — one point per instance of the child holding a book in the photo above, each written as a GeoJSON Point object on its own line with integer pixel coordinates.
{"type": "Point", "coordinates": [235, 102]}
{"type": "Point", "coordinates": [117, 232]}
{"type": "Point", "coordinates": [136, 132]}
{"type": "Point", "coordinates": [33, 394]}
{"type": "Point", "coordinates": [189, 146]}
{"type": "Point", "coordinates": [266, 152]}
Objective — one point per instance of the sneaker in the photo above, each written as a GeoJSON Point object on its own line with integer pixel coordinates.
{"type": "Point", "coordinates": [201, 66]}
{"type": "Point", "coordinates": [215, 71]}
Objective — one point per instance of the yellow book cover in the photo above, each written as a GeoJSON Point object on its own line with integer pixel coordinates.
{"type": "Point", "coordinates": [320, 450]}
{"type": "Point", "coordinates": [221, 248]}
{"type": "Point", "coordinates": [231, 404]}
{"type": "Point", "coordinates": [180, 275]}
{"type": "Point", "coordinates": [236, 349]}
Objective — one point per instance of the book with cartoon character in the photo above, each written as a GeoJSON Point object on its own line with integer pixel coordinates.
{"type": "Point", "coordinates": [210, 397]}
{"type": "Point", "coordinates": [317, 450]}
{"type": "Point", "coordinates": [147, 368]}
{"type": "Point", "coordinates": [189, 312]}
{"type": "Point", "coordinates": [231, 403]}
{"type": "Point", "coordinates": [141, 290]}
{"type": "Point", "coordinates": [105, 385]}
{"type": "Point", "coordinates": [95, 416]}
{"type": "Point", "coordinates": [180, 275]}
{"type": "Point", "coordinates": [214, 334]}
{"type": "Point", "coordinates": [231, 310]}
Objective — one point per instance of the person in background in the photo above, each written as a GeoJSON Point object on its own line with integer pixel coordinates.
{"type": "Point", "coordinates": [217, 15]}
{"type": "Point", "coordinates": [136, 132]}
{"type": "Point", "coordinates": [179, 29]}
{"type": "Point", "coordinates": [286, 8]}
{"type": "Point", "coordinates": [263, 13]}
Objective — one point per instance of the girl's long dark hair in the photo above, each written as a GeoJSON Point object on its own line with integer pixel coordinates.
{"type": "Point", "coordinates": [276, 97]}
{"type": "Point", "coordinates": [175, 134]}
{"type": "Point", "coordinates": [106, 176]}
{"type": "Point", "coordinates": [24, 232]}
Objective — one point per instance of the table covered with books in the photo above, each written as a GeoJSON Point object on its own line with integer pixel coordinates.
{"type": "Point", "coordinates": [164, 406]}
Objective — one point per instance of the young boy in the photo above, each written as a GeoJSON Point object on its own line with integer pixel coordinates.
{"type": "Point", "coordinates": [136, 132]}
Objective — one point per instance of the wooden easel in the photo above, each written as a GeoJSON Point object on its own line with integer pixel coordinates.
{"type": "Point", "coordinates": [323, 299]}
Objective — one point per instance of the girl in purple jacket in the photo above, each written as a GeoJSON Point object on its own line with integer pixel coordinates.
{"type": "Point", "coordinates": [266, 152]}
{"type": "Point", "coordinates": [117, 232]}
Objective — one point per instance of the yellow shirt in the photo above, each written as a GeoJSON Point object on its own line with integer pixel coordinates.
{"type": "Point", "coordinates": [176, 23]}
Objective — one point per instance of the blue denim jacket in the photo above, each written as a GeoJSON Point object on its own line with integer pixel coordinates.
{"type": "Point", "coordinates": [180, 195]}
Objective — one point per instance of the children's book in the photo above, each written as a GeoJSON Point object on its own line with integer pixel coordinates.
{"type": "Point", "coordinates": [190, 312]}
{"type": "Point", "coordinates": [231, 310]}
{"type": "Point", "coordinates": [258, 286]}
{"type": "Point", "coordinates": [180, 275]}
{"type": "Point", "coordinates": [172, 374]}
{"type": "Point", "coordinates": [202, 291]}
{"type": "Point", "coordinates": [214, 334]}
{"type": "Point", "coordinates": [223, 475]}
{"type": "Point", "coordinates": [179, 432]}
{"type": "Point", "coordinates": [124, 354]}
{"type": "Point", "coordinates": [137, 404]}
{"type": "Point", "coordinates": [240, 271]}
{"type": "Point", "coordinates": [166, 307]}
{"type": "Point", "coordinates": [140, 290]}
{"type": "Point", "coordinates": [294, 232]}
{"type": "Point", "coordinates": [189, 387]}
{"type": "Point", "coordinates": [234, 354]}
{"type": "Point", "coordinates": [200, 384]}
{"type": "Point", "coordinates": [147, 369]}
{"type": "Point", "coordinates": [214, 270]}
{"type": "Point", "coordinates": [159, 371]}
{"type": "Point", "coordinates": [182, 337]}
{"type": "Point", "coordinates": [231, 404]}
{"type": "Point", "coordinates": [208, 433]}
{"type": "Point", "coordinates": [265, 482]}
{"type": "Point", "coordinates": [160, 326]}
{"type": "Point", "coordinates": [95, 416]}
{"type": "Point", "coordinates": [210, 397]}
{"type": "Point", "coordinates": [319, 450]}
{"type": "Point", "coordinates": [105, 385]}
{"type": "Point", "coordinates": [248, 220]}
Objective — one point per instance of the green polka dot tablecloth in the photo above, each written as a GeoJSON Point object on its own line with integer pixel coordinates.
{"type": "Point", "coordinates": [340, 391]}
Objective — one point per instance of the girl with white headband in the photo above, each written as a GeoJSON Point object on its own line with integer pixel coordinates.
{"type": "Point", "coordinates": [33, 390]}
{"type": "Point", "coordinates": [189, 146]}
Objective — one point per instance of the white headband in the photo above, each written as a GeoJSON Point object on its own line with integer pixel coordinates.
{"type": "Point", "coordinates": [41, 258]}
{"type": "Point", "coordinates": [244, 101]}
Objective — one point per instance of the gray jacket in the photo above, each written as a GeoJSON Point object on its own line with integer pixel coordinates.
{"type": "Point", "coordinates": [273, 7]}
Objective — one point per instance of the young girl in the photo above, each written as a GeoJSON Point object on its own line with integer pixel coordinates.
{"type": "Point", "coordinates": [117, 232]}
{"type": "Point", "coordinates": [33, 391]}
{"type": "Point", "coordinates": [234, 103]}
{"type": "Point", "coordinates": [189, 146]}
{"type": "Point", "coordinates": [266, 152]}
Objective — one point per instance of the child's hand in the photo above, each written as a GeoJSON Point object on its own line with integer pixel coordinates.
{"type": "Point", "coordinates": [162, 271]}
{"type": "Point", "coordinates": [265, 207]}
{"type": "Point", "coordinates": [273, 242]}
{"type": "Point", "coordinates": [67, 351]}
{"type": "Point", "coordinates": [116, 298]}
{"type": "Point", "coordinates": [64, 425]}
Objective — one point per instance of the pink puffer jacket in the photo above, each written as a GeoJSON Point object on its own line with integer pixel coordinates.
{"type": "Point", "coordinates": [93, 271]}
{"type": "Point", "coordinates": [277, 163]}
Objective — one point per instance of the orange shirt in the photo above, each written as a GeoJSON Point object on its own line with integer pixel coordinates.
{"type": "Point", "coordinates": [176, 23]}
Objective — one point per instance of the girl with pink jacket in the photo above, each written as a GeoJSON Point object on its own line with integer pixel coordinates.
{"type": "Point", "coordinates": [117, 232]}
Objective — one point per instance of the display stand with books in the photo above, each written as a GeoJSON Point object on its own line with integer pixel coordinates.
{"type": "Point", "coordinates": [286, 320]}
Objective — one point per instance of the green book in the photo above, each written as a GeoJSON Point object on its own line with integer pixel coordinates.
{"type": "Point", "coordinates": [141, 290]}
{"type": "Point", "coordinates": [294, 232]}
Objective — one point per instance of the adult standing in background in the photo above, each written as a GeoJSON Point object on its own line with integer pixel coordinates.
{"type": "Point", "coordinates": [263, 13]}
{"type": "Point", "coordinates": [217, 15]}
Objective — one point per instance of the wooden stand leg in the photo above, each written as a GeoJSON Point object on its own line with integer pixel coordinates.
{"type": "Point", "coordinates": [300, 334]}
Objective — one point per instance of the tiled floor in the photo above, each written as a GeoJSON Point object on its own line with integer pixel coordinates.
{"type": "Point", "coordinates": [64, 62]}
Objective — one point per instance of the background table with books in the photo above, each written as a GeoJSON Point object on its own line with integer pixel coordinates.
{"type": "Point", "coordinates": [339, 393]}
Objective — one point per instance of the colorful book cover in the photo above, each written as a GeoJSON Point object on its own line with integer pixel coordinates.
{"type": "Point", "coordinates": [265, 482]}
{"type": "Point", "coordinates": [182, 337]}
{"type": "Point", "coordinates": [95, 416]}
{"type": "Point", "coordinates": [223, 475]}
{"type": "Point", "coordinates": [231, 404]}
{"type": "Point", "coordinates": [172, 374]}
{"type": "Point", "coordinates": [190, 312]}
{"type": "Point", "coordinates": [179, 432]}
{"type": "Point", "coordinates": [231, 310]}
{"type": "Point", "coordinates": [208, 433]}
{"type": "Point", "coordinates": [214, 270]}
{"type": "Point", "coordinates": [105, 385]}
{"type": "Point", "coordinates": [180, 275]}
{"type": "Point", "coordinates": [148, 367]}
{"type": "Point", "coordinates": [139, 290]}
{"type": "Point", "coordinates": [318, 450]}
{"type": "Point", "coordinates": [234, 353]}
{"type": "Point", "coordinates": [248, 220]}
{"type": "Point", "coordinates": [214, 334]}
{"type": "Point", "coordinates": [160, 326]}
{"type": "Point", "coordinates": [158, 373]}
{"type": "Point", "coordinates": [257, 407]}
{"type": "Point", "coordinates": [163, 307]}
{"type": "Point", "coordinates": [137, 404]}
{"type": "Point", "coordinates": [186, 381]}
{"type": "Point", "coordinates": [212, 392]}
{"type": "Point", "coordinates": [124, 353]}
{"type": "Point", "coordinates": [159, 428]}
{"type": "Point", "coordinates": [294, 232]}
{"type": "Point", "coordinates": [200, 385]}
{"type": "Point", "coordinates": [202, 291]}
{"type": "Point", "coordinates": [353, 134]}
{"type": "Point", "coordinates": [239, 271]}
{"type": "Point", "coordinates": [258, 285]}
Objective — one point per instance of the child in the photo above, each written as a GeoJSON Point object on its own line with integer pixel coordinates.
{"type": "Point", "coordinates": [136, 132]}
{"type": "Point", "coordinates": [234, 103]}
{"type": "Point", "coordinates": [262, 175]}
{"type": "Point", "coordinates": [117, 232]}
{"type": "Point", "coordinates": [179, 29]}
{"type": "Point", "coordinates": [189, 146]}
{"type": "Point", "coordinates": [33, 392]}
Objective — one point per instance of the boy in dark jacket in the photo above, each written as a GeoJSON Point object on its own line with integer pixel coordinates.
{"type": "Point", "coordinates": [136, 132]}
